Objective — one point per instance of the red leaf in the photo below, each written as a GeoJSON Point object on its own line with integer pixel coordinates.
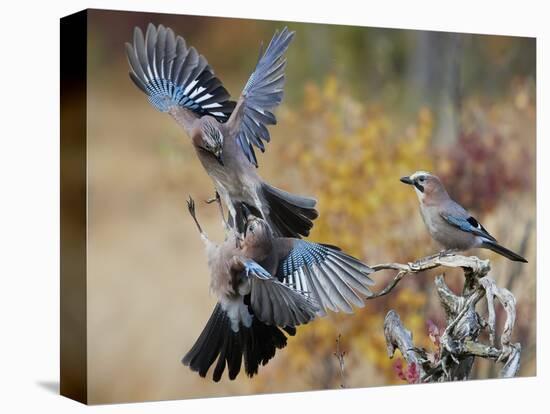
{"type": "Point", "coordinates": [398, 368]}
{"type": "Point", "coordinates": [413, 374]}
{"type": "Point", "coordinates": [433, 332]}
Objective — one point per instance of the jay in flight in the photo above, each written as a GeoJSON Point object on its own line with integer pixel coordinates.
{"type": "Point", "coordinates": [179, 81]}
{"type": "Point", "coordinates": [448, 222]}
{"type": "Point", "coordinates": [266, 285]}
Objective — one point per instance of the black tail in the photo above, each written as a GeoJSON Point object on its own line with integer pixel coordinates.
{"type": "Point", "coordinates": [503, 251]}
{"type": "Point", "coordinates": [255, 345]}
{"type": "Point", "coordinates": [289, 215]}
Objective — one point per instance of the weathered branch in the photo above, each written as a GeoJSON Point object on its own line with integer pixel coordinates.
{"type": "Point", "coordinates": [397, 337]}
{"type": "Point", "coordinates": [472, 263]}
{"type": "Point", "coordinates": [459, 344]}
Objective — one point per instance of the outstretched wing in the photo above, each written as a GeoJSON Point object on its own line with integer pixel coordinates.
{"type": "Point", "coordinates": [326, 274]}
{"type": "Point", "coordinates": [467, 224]}
{"type": "Point", "coordinates": [172, 74]}
{"type": "Point", "coordinates": [262, 93]}
{"type": "Point", "coordinates": [273, 302]}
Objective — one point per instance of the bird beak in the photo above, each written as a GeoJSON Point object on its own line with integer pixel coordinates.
{"type": "Point", "coordinates": [246, 212]}
{"type": "Point", "coordinates": [219, 157]}
{"type": "Point", "coordinates": [406, 180]}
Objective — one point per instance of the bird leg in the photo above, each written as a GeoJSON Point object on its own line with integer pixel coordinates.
{"type": "Point", "coordinates": [447, 252]}
{"type": "Point", "coordinates": [191, 208]}
{"type": "Point", "coordinates": [218, 200]}
{"type": "Point", "coordinates": [215, 198]}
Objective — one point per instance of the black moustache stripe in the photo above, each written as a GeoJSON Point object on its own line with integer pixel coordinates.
{"type": "Point", "coordinates": [419, 186]}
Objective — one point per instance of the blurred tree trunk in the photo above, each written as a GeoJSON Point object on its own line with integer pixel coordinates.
{"type": "Point", "coordinates": [435, 73]}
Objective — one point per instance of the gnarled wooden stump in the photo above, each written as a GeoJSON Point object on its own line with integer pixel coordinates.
{"type": "Point", "coordinates": [459, 343]}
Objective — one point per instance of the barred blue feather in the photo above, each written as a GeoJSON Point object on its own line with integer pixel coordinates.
{"type": "Point", "coordinates": [303, 254]}
{"type": "Point", "coordinates": [325, 275]}
{"type": "Point", "coordinates": [263, 92]}
{"type": "Point", "coordinates": [172, 74]}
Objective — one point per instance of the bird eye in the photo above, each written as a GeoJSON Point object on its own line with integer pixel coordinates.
{"type": "Point", "coordinates": [421, 179]}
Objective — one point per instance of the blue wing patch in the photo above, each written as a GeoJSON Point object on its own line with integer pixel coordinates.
{"type": "Point", "coordinates": [330, 277]}
{"type": "Point", "coordinates": [469, 225]}
{"type": "Point", "coordinates": [302, 254]}
{"type": "Point", "coordinates": [171, 73]}
{"type": "Point", "coordinates": [251, 268]}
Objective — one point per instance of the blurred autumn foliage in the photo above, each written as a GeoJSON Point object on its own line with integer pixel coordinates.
{"type": "Point", "coordinates": [363, 107]}
{"type": "Point", "coordinates": [351, 156]}
{"type": "Point", "coordinates": [491, 156]}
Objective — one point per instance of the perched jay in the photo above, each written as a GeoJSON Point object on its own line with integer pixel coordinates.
{"type": "Point", "coordinates": [180, 82]}
{"type": "Point", "coordinates": [449, 223]}
{"type": "Point", "coordinates": [266, 285]}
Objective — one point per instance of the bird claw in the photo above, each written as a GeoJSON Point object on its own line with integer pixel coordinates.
{"type": "Point", "coordinates": [414, 266]}
{"type": "Point", "coordinates": [191, 206]}
{"type": "Point", "coordinates": [447, 252]}
{"type": "Point", "coordinates": [214, 199]}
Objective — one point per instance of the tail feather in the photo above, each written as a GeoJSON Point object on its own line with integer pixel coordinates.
{"type": "Point", "coordinates": [254, 345]}
{"type": "Point", "coordinates": [290, 215]}
{"type": "Point", "coordinates": [503, 251]}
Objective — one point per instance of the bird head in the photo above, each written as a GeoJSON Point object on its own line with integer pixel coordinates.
{"type": "Point", "coordinates": [257, 233]}
{"type": "Point", "coordinates": [212, 140]}
{"type": "Point", "coordinates": [426, 185]}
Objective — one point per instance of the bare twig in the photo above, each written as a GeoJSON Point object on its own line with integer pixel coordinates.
{"type": "Point", "coordinates": [339, 354]}
{"type": "Point", "coordinates": [430, 262]}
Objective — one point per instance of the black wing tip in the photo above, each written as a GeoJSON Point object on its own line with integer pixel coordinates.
{"type": "Point", "coordinates": [331, 246]}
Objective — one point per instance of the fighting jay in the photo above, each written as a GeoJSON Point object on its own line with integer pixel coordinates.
{"type": "Point", "coordinates": [224, 133]}
{"type": "Point", "coordinates": [266, 285]}
{"type": "Point", "coordinates": [448, 222]}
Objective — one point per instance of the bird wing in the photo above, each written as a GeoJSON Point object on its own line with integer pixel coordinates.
{"type": "Point", "coordinates": [323, 272]}
{"type": "Point", "coordinates": [468, 224]}
{"type": "Point", "coordinates": [273, 302]}
{"type": "Point", "coordinates": [172, 74]}
{"type": "Point", "coordinates": [262, 93]}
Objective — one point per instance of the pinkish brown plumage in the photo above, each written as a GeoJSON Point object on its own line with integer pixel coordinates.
{"type": "Point", "coordinates": [448, 222]}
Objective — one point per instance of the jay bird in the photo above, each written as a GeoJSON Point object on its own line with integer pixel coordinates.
{"type": "Point", "coordinates": [180, 82]}
{"type": "Point", "coordinates": [266, 285]}
{"type": "Point", "coordinates": [448, 222]}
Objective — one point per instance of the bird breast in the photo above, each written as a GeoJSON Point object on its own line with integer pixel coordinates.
{"type": "Point", "coordinates": [447, 235]}
{"type": "Point", "coordinates": [220, 273]}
